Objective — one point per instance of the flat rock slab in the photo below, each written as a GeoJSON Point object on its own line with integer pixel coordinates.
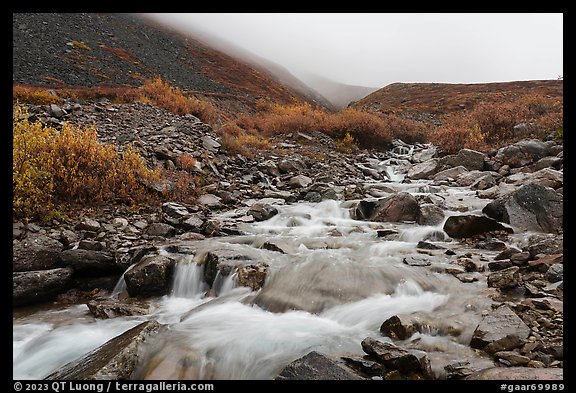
{"type": "Point", "coordinates": [518, 373]}
{"type": "Point", "coordinates": [114, 360]}
{"type": "Point", "coordinates": [315, 366]}
{"type": "Point", "coordinates": [501, 329]}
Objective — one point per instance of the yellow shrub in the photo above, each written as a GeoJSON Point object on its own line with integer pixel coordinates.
{"type": "Point", "coordinates": [70, 166]}
{"type": "Point", "coordinates": [163, 94]}
{"type": "Point", "coordinates": [32, 181]}
{"type": "Point", "coordinates": [459, 130]}
{"type": "Point", "coordinates": [346, 144]}
{"type": "Point", "coordinates": [32, 95]}
{"type": "Point", "coordinates": [236, 140]}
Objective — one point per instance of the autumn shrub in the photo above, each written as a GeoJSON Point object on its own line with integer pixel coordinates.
{"type": "Point", "coordinates": [285, 119]}
{"type": "Point", "coordinates": [180, 185]}
{"type": "Point", "coordinates": [32, 181]}
{"type": "Point", "coordinates": [409, 131]}
{"type": "Point", "coordinates": [497, 120]}
{"type": "Point", "coordinates": [490, 125]}
{"type": "Point", "coordinates": [161, 93]}
{"type": "Point", "coordinates": [186, 162]}
{"type": "Point", "coordinates": [458, 131]}
{"type": "Point", "coordinates": [54, 168]}
{"type": "Point", "coordinates": [368, 130]}
{"type": "Point", "coordinates": [235, 140]}
{"type": "Point", "coordinates": [346, 144]}
{"type": "Point", "coordinates": [33, 95]}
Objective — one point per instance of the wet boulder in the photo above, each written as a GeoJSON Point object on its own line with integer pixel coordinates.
{"type": "Point", "coordinates": [430, 214]}
{"type": "Point", "coordinates": [36, 252]}
{"type": "Point", "coordinates": [423, 170]}
{"type": "Point", "coordinates": [39, 286]}
{"type": "Point", "coordinates": [114, 360]}
{"type": "Point", "coordinates": [227, 262]}
{"type": "Point", "coordinates": [262, 211]}
{"type": "Point", "coordinates": [111, 308]}
{"type": "Point", "coordinates": [532, 208]}
{"type": "Point", "coordinates": [252, 276]}
{"type": "Point", "coordinates": [469, 225]}
{"type": "Point", "coordinates": [397, 208]}
{"type": "Point", "coordinates": [150, 277]}
{"type": "Point", "coordinates": [316, 366]}
{"type": "Point", "coordinates": [393, 357]}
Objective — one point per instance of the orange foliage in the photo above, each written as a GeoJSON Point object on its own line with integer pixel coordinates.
{"type": "Point", "coordinates": [163, 94]}
{"type": "Point", "coordinates": [70, 166]}
{"type": "Point", "coordinates": [33, 95]}
{"type": "Point", "coordinates": [186, 162]}
{"type": "Point", "coordinates": [235, 140]}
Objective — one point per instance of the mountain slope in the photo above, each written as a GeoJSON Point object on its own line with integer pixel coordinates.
{"type": "Point", "coordinates": [87, 49]}
{"type": "Point", "coordinates": [272, 69]}
{"type": "Point", "coordinates": [434, 99]}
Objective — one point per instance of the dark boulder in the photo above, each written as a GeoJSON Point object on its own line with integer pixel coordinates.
{"type": "Point", "coordinates": [90, 262]}
{"type": "Point", "coordinates": [150, 277]}
{"type": "Point", "coordinates": [522, 153]}
{"type": "Point", "coordinates": [262, 211]}
{"type": "Point", "coordinates": [315, 366]}
{"type": "Point", "coordinates": [469, 159]}
{"type": "Point", "coordinates": [111, 308]}
{"type": "Point", "coordinates": [531, 207]}
{"type": "Point", "coordinates": [36, 252]}
{"type": "Point", "coordinates": [471, 225]}
{"type": "Point", "coordinates": [39, 286]}
{"type": "Point", "coordinates": [392, 356]}
{"type": "Point", "coordinates": [399, 207]}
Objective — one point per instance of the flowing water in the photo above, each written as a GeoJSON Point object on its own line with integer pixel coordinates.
{"type": "Point", "coordinates": [334, 285]}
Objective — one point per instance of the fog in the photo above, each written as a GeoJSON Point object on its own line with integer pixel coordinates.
{"type": "Point", "coordinates": [378, 49]}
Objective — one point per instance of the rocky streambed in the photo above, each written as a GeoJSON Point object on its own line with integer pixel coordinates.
{"type": "Point", "coordinates": [302, 263]}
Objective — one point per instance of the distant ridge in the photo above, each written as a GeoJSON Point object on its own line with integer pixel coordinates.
{"type": "Point", "coordinates": [442, 98]}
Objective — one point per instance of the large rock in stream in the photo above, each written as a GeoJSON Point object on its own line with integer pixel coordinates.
{"type": "Point", "coordinates": [471, 225]}
{"type": "Point", "coordinates": [114, 360]}
{"type": "Point", "coordinates": [397, 208]}
{"type": "Point", "coordinates": [150, 277]}
{"type": "Point", "coordinates": [532, 208]}
{"type": "Point", "coordinates": [315, 366]}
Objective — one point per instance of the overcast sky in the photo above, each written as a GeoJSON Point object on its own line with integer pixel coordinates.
{"type": "Point", "coordinates": [378, 49]}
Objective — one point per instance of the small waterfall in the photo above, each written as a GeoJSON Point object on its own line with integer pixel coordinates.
{"type": "Point", "coordinates": [224, 284]}
{"type": "Point", "coordinates": [188, 279]}
{"type": "Point", "coordinates": [121, 284]}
